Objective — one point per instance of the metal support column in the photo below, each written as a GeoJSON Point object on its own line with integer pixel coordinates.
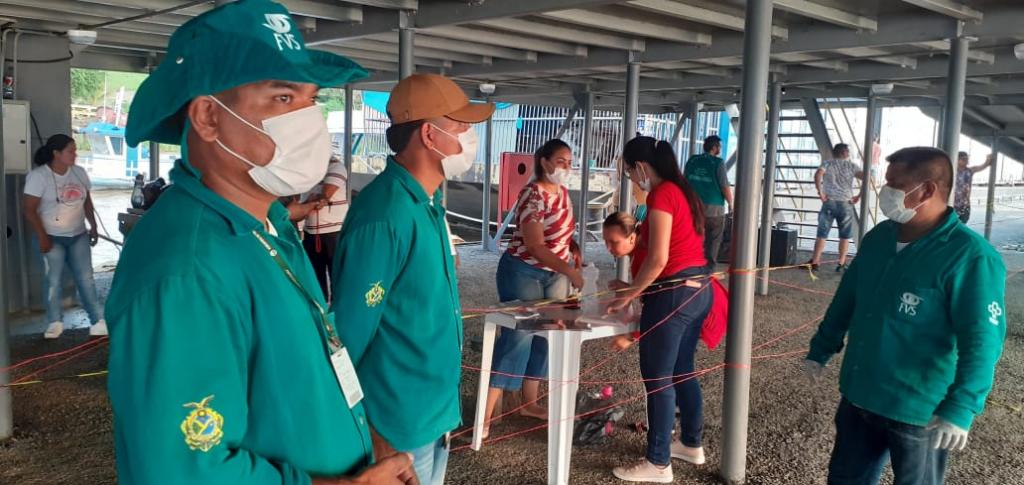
{"type": "Point", "coordinates": [990, 202]}
{"type": "Point", "coordinates": [954, 112]}
{"type": "Point", "coordinates": [406, 66]}
{"type": "Point", "coordinates": [154, 160]}
{"type": "Point", "coordinates": [588, 146]}
{"type": "Point", "coordinates": [6, 417]}
{"type": "Point", "coordinates": [818, 128]}
{"type": "Point", "coordinates": [768, 196]}
{"type": "Point", "coordinates": [629, 115]}
{"type": "Point", "coordinates": [695, 145]}
{"type": "Point", "coordinates": [485, 217]}
{"type": "Point", "coordinates": [678, 130]}
{"type": "Point", "coordinates": [757, 41]}
{"type": "Point", "coordinates": [347, 144]}
{"type": "Point", "coordinates": [567, 122]}
{"type": "Point", "coordinates": [865, 185]}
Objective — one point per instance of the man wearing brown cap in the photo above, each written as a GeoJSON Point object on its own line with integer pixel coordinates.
{"type": "Point", "coordinates": [395, 276]}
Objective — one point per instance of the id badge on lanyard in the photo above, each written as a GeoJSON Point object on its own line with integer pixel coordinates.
{"type": "Point", "coordinates": [345, 372]}
{"type": "Point", "coordinates": [341, 362]}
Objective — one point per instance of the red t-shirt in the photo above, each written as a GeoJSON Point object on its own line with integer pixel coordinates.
{"type": "Point", "coordinates": [686, 247]}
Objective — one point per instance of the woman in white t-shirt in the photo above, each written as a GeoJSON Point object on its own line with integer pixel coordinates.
{"type": "Point", "coordinates": [57, 205]}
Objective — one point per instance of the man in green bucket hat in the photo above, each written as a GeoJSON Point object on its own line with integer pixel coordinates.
{"type": "Point", "coordinates": [225, 366]}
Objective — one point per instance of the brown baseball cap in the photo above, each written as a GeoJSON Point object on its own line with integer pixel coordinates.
{"type": "Point", "coordinates": [423, 96]}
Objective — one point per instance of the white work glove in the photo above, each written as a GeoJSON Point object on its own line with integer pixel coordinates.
{"type": "Point", "coordinates": [813, 369]}
{"type": "Point", "coordinates": [948, 436]}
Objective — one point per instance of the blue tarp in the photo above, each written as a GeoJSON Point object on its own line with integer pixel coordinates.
{"type": "Point", "coordinates": [379, 101]}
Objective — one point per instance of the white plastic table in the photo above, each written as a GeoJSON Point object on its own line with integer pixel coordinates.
{"type": "Point", "coordinates": [564, 343]}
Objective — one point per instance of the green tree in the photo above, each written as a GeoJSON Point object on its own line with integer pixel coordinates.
{"type": "Point", "coordinates": [86, 86]}
{"type": "Point", "coordinates": [331, 99]}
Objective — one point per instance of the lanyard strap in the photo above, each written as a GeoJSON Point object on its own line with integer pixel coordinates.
{"type": "Point", "coordinates": [332, 336]}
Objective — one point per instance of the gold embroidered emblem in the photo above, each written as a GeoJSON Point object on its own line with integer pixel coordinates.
{"type": "Point", "coordinates": [375, 295]}
{"type": "Point", "coordinates": [203, 426]}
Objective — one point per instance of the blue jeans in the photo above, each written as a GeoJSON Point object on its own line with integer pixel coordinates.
{"type": "Point", "coordinates": [840, 211]}
{"type": "Point", "coordinates": [521, 353]}
{"type": "Point", "coordinates": [431, 461]}
{"type": "Point", "coordinates": [865, 441]}
{"type": "Point", "coordinates": [667, 351]}
{"type": "Point", "coordinates": [75, 253]}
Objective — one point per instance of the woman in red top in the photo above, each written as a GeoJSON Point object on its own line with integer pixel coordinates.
{"type": "Point", "coordinates": [670, 247]}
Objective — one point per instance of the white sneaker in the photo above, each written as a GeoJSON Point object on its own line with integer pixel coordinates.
{"type": "Point", "coordinates": [644, 471]}
{"type": "Point", "coordinates": [98, 329]}
{"type": "Point", "coordinates": [54, 330]}
{"type": "Point", "coordinates": [685, 453]}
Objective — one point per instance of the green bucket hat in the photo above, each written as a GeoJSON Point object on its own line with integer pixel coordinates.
{"type": "Point", "coordinates": [234, 44]}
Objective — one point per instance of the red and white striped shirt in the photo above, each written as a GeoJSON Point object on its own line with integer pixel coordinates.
{"type": "Point", "coordinates": [554, 212]}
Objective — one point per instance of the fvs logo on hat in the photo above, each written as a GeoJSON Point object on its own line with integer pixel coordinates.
{"type": "Point", "coordinates": [281, 25]}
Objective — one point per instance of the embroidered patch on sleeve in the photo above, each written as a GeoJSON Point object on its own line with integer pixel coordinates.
{"type": "Point", "coordinates": [203, 427]}
{"type": "Point", "coordinates": [375, 295]}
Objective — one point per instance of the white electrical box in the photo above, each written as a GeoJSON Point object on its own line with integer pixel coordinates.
{"type": "Point", "coordinates": [17, 149]}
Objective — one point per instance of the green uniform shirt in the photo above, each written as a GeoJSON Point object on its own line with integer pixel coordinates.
{"type": "Point", "coordinates": [926, 325]}
{"type": "Point", "coordinates": [219, 367]}
{"type": "Point", "coordinates": [705, 172]}
{"type": "Point", "coordinates": [394, 280]}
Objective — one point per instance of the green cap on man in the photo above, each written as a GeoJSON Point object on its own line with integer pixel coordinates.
{"type": "Point", "coordinates": [234, 44]}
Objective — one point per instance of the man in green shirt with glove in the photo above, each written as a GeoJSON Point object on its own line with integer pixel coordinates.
{"type": "Point", "coordinates": [396, 280]}
{"type": "Point", "coordinates": [224, 366]}
{"type": "Point", "coordinates": [922, 311]}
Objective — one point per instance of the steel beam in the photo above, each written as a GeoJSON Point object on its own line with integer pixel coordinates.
{"type": "Point", "coordinates": [6, 415]}
{"type": "Point", "coordinates": [718, 18]}
{"type": "Point", "coordinates": [406, 64]}
{"type": "Point", "coordinates": [768, 196]}
{"type": "Point", "coordinates": [504, 39]}
{"type": "Point", "coordinates": [818, 128]}
{"type": "Point", "coordinates": [736, 403]}
{"type": "Point", "coordinates": [392, 4]}
{"type": "Point", "coordinates": [422, 40]}
{"type": "Point", "coordinates": [896, 29]}
{"type": "Point", "coordinates": [943, 46]}
{"type": "Point", "coordinates": [949, 8]}
{"type": "Point", "coordinates": [865, 186]}
{"type": "Point", "coordinates": [695, 145]}
{"type": "Point", "coordinates": [586, 101]}
{"type": "Point", "coordinates": [347, 145]}
{"type": "Point", "coordinates": [824, 13]}
{"type": "Point", "coordinates": [990, 199]}
{"type": "Point", "coordinates": [485, 216]}
{"type": "Point", "coordinates": [954, 111]}
{"type": "Point", "coordinates": [391, 49]}
{"type": "Point", "coordinates": [618, 20]}
{"type": "Point", "coordinates": [559, 31]}
{"type": "Point", "coordinates": [434, 14]}
{"type": "Point", "coordinates": [629, 115]}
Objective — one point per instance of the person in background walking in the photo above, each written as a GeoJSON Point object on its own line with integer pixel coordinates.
{"type": "Point", "coordinates": [542, 262]}
{"type": "Point", "coordinates": [323, 223]}
{"type": "Point", "coordinates": [921, 314]}
{"type": "Point", "coordinates": [834, 180]}
{"type": "Point", "coordinates": [57, 205]}
{"type": "Point", "coordinates": [707, 175]}
{"type": "Point", "coordinates": [964, 179]}
{"type": "Point", "coordinates": [669, 248]}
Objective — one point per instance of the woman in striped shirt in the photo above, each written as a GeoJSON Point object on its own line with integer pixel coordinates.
{"type": "Point", "coordinates": [542, 262]}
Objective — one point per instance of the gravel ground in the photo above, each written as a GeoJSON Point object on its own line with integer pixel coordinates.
{"type": "Point", "coordinates": [63, 428]}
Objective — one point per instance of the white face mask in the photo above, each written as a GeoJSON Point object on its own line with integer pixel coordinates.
{"type": "Point", "coordinates": [457, 164]}
{"type": "Point", "coordinates": [645, 182]}
{"type": "Point", "coordinates": [892, 201]}
{"type": "Point", "coordinates": [559, 177]}
{"type": "Point", "coordinates": [302, 150]}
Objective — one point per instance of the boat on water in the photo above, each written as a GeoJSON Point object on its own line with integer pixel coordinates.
{"type": "Point", "coordinates": [110, 162]}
